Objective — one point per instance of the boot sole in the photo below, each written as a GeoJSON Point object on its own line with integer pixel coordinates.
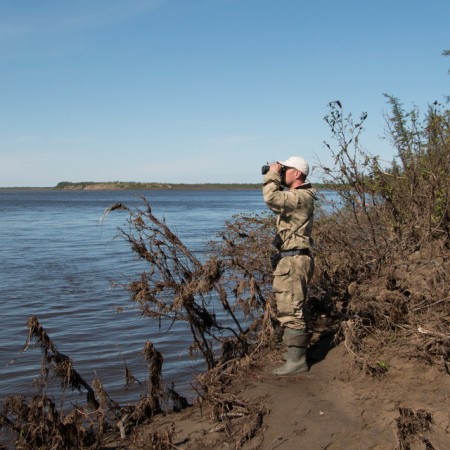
{"type": "Point", "coordinates": [295, 372]}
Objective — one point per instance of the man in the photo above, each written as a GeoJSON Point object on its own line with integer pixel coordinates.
{"type": "Point", "coordinates": [294, 270]}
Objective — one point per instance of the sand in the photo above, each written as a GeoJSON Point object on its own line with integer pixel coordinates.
{"type": "Point", "coordinates": [333, 406]}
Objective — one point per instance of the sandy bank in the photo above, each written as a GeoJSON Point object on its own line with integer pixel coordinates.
{"type": "Point", "coordinates": [333, 406]}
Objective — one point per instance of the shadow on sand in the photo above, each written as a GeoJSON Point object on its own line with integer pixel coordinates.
{"type": "Point", "coordinates": [319, 349]}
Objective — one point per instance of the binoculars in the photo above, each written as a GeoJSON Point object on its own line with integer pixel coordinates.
{"type": "Point", "coordinates": [265, 169]}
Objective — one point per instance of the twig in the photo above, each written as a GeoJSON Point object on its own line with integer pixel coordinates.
{"type": "Point", "coordinates": [276, 439]}
{"type": "Point", "coordinates": [352, 352]}
{"type": "Point", "coordinates": [432, 304]}
{"type": "Point", "coordinates": [446, 366]}
{"type": "Point", "coordinates": [121, 425]}
{"type": "Point", "coordinates": [433, 333]}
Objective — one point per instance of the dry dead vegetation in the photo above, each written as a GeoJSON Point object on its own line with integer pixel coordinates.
{"type": "Point", "coordinates": [381, 281]}
{"type": "Point", "coordinates": [388, 268]}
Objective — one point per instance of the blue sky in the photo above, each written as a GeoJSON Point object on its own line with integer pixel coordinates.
{"type": "Point", "coordinates": [194, 91]}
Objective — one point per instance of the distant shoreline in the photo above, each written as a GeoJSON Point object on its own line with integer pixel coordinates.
{"type": "Point", "coordinates": [124, 186]}
{"type": "Point", "coordinates": [165, 187]}
{"type": "Point", "coordinates": [120, 186]}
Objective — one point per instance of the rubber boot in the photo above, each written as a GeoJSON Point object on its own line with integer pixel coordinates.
{"type": "Point", "coordinates": [285, 337]}
{"type": "Point", "coordinates": [296, 342]}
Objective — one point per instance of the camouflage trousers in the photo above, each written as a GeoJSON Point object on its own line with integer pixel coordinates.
{"type": "Point", "coordinates": [290, 285]}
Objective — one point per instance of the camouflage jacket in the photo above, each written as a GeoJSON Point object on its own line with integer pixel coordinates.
{"type": "Point", "coordinates": [293, 208]}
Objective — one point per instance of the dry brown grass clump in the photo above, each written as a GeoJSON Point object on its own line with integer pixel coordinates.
{"type": "Point", "coordinates": [38, 423]}
{"type": "Point", "coordinates": [411, 427]}
{"type": "Point", "coordinates": [383, 255]}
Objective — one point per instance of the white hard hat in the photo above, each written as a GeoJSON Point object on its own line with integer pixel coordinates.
{"type": "Point", "coordinates": [297, 162]}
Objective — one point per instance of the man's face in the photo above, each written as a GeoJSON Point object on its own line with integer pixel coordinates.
{"type": "Point", "coordinates": [290, 175]}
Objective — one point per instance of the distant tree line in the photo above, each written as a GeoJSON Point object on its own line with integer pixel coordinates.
{"type": "Point", "coordinates": [131, 185]}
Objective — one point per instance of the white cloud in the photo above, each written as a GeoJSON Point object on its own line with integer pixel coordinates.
{"type": "Point", "coordinates": [113, 12]}
{"type": "Point", "coordinates": [69, 16]}
{"type": "Point", "coordinates": [13, 30]}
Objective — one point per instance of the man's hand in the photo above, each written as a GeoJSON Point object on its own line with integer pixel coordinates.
{"type": "Point", "coordinates": [276, 167]}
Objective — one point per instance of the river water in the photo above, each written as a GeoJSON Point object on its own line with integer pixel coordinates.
{"type": "Point", "coordinates": [57, 262]}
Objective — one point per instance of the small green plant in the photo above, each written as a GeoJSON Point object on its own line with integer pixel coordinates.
{"type": "Point", "coordinates": [382, 365]}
